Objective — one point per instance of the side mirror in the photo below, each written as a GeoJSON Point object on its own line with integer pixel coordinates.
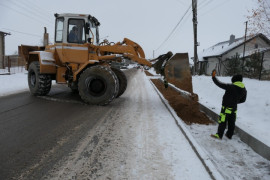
{"type": "Point", "coordinates": [87, 28]}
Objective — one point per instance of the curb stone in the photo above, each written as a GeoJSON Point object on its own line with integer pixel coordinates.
{"type": "Point", "coordinates": [206, 161]}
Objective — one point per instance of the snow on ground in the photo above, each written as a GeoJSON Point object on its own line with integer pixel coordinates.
{"type": "Point", "coordinates": [252, 116]}
{"type": "Point", "coordinates": [233, 158]}
{"type": "Point", "coordinates": [14, 83]}
{"type": "Point", "coordinates": [137, 138]}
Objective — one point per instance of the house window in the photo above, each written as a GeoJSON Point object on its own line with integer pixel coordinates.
{"type": "Point", "coordinates": [256, 46]}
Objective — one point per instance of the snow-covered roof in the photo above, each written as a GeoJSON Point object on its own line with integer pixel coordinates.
{"type": "Point", "coordinates": [5, 33]}
{"type": "Point", "coordinates": [224, 47]}
{"type": "Point", "coordinates": [73, 15]}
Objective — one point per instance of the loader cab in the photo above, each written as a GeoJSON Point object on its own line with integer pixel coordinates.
{"type": "Point", "coordinates": [76, 28]}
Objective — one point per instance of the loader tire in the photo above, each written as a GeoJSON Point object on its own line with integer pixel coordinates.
{"type": "Point", "coordinates": [98, 85]}
{"type": "Point", "coordinates": [39, 84]}
{"type": "Point", "coordinates": [122, 81]}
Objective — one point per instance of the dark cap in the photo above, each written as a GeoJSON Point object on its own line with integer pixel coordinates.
{"type": "Point", "coordinates": [75, 28]}
{"type": "Point", "coordinates": [237, 77]}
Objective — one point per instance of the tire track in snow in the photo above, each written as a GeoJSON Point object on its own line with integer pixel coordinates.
{"type": "Point", "coordinates": [130, 143]}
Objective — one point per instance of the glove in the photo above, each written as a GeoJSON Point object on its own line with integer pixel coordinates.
{"type": "Point", "coordinates": [214, 73]}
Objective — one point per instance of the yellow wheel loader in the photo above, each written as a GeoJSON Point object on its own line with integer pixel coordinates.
{"type": "Point", "coordinates": [78, 59]}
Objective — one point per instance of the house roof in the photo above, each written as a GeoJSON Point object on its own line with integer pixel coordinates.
{"type": "Point", "coordinates": [5, 33]}
{"type": "Point", "coordinates": [224, 47]}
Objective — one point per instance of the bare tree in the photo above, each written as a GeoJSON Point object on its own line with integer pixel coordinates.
{"type": "Point", "coordinates": [259, 18]}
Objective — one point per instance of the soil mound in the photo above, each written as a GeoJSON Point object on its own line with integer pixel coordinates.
{"type": "Point", "coordinates": [148, 73]}
{"type": "Point", "coordinates": [187, 110]}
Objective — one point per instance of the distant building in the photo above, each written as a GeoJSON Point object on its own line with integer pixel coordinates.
{"type": "Point", "coordinates": [216, 56]}
{"type": "Point", "coordinates": [2, 47]}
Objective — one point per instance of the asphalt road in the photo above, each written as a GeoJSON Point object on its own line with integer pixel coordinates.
{"type": "Point", "coordinates": [36, 132]}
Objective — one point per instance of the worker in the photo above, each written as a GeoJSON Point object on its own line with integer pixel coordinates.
{"type": "Point", "coordinates": [235, 93]}
{"type": "Point", "coordinates": [73, 35]}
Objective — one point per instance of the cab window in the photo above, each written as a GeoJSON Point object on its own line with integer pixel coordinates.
{"type": "Point", "coordinates": [59, 30]}
{"type": "Point", "coordinates": [76, 31]}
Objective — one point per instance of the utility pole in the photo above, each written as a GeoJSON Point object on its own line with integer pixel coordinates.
{"type": "Point", "coordinates": [195, 22]}
{"type": "Point", "coordinates": [244, 48]}
{"type": "Point", "coordinates": [2, 48]}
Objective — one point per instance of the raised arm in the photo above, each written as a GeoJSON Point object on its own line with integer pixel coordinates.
{"type": "Point", "coordinates": [217, 82]}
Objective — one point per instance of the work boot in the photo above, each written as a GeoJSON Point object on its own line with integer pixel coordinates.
{"type": "Point", "coordinates": [216, 136]}
{"type": "Point", "coordinates": [228, 136]}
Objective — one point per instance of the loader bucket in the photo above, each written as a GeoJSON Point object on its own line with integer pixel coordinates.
{"type": "Point", "coordinates": [177, 72]}
{"type": "Point", "coordinates": [161, 62]}
{"type": "Point", "coordinates": [175, 69]}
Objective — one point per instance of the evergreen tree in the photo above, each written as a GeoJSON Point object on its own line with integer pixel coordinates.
{"type": "Point", "coordinates": [233, 65]}
{"type": "Point", "coordinates": [253, 66]}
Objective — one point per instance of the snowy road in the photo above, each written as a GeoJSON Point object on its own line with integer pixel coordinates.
{"type": "Point", "coordinates": [136, 139]}
{"type": "Point", "coordinates": [58, 137]}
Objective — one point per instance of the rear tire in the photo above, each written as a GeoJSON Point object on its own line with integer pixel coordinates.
{"type": "Point", "coordinates": [122, 81]}
{"type": "Point", "coordinates": [39, 84]}
{"type": "Point", "coordinates": [98, 85]}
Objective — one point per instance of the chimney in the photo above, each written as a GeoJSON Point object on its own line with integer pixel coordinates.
{"type": "Point", "coordinates": [232, 39]}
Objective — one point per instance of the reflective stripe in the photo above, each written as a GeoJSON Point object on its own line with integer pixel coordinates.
{"type": "Point", "coordinates": [75, 48]}
{"type": "Point", "coordinates": [239, 84]}
{"type": "Point", "coordinates": [224, 112]}
{"type": "Point", "coordinates": [93, 61]}
{"type": "Point", "coordinates": [69, 47]}
{"type": "Point", "coordinates": [222, 118]}
{"type": "Point", "coordinates": [228, 111]}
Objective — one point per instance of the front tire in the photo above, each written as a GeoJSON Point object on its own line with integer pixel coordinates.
{"type": "Point", "coordinates": [98, 85]}
{"type": "Point", "coordinates": [39, 84]}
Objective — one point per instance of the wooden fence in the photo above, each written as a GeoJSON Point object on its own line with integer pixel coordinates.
{"type": "Point", "coordinates": [11, 64]}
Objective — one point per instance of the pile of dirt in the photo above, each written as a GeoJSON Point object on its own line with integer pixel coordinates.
{"type": "Point", "coordinates": [187, 110]}
{"type": "Point", "coordinates": [148, 73]}
{"type": "Point", "coordinates": [185, 83]}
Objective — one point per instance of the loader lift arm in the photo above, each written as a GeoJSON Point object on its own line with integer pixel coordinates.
{"type": "Point", "coordinates": [131, 50]}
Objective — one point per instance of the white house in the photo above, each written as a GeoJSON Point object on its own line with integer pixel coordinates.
{"type": "Point", "coordinates": [216, 56]}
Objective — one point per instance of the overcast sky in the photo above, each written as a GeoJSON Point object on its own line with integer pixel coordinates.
{"type": "Point", "coordinates": [147, 22]}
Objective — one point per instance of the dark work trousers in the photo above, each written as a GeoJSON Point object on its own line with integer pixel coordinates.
{"type": "Point", "coordinates": [230, 118]}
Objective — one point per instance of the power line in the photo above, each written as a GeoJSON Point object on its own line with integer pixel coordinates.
{"type": "Point", "coordinates": [39, 7]}
{"type": "Point", "coordinates": [22, 5]}
{"type": "Point", "coordinates": [214, 8]}
{"type": "Point", "coordinates": [181, 2]}
{"type": "Point", "coordinates": [174, 28]}
{"type": "Point", "coordinates": [202, 2]}
{"type": "Point", "coordinates": [205, 3]}
{"type": "Point", "coordinates": [35, 35]}
{"type": "Point", "coordinates": [19, 12]}
{"type": "Point", "coordinates": [177, 30]}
